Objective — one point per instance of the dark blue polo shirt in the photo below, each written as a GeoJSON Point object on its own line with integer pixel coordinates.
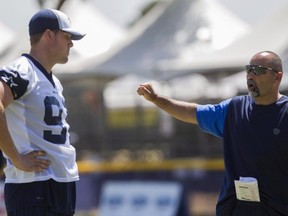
{"type": "Point", "coordinates": [255, 144]}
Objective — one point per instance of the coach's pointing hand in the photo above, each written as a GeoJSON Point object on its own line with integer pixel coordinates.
{"type": "Point", "coordinates": [146, 90]}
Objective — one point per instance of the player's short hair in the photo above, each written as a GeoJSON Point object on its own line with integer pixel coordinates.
{"type": "Point", "coordinates": [34, 39]}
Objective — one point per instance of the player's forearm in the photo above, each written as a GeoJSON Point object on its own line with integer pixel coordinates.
{"type": "Point", "coordinates": [6, 142]}
{"type": "Point", "coordinates": [180, 110]}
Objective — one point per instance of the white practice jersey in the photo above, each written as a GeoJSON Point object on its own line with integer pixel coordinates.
{"type": "Point", "coordinates": [36, 121]}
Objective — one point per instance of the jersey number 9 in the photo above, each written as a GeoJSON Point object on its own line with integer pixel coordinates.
{"type": "Point", "coordinates": [53, 117]}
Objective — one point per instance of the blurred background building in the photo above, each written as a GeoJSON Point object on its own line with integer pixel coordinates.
{"type": "Point", "coordinates": [192, 50]}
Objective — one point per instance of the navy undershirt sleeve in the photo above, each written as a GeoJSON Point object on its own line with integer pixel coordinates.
{"type": "Point", "coordinates": [17, 84]}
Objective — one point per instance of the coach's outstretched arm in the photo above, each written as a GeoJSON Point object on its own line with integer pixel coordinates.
{"type": "Point", "coordinates": [181, 110]}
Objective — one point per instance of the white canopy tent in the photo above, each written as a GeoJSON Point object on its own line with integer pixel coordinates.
{"type": "Point", "coordinates": [17, 46]}
{"type": "Point", "coordinates": [101, 33]}
{"type": "Point", "coordinates": [172, 29]}
{"type": "Point", "coordinates": [19, 40]}
{"type": "Point", "coordinates": [7, 36]}
{"type": "Point", "coordinates": [272, 35]}
{"type": "Point", "coordinates": [121, 92]}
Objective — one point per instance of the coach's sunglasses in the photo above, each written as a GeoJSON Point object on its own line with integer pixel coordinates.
{"type": "Point", "coordinates": [258, 69]}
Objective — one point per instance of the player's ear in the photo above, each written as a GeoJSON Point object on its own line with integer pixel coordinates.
{"type": "Point", "coordinates": [49, 34]}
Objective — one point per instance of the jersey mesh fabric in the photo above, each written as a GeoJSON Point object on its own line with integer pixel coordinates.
{"type": "Point", "coordinates": [36, 121]}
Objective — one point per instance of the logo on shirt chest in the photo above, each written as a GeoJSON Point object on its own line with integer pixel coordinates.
{"type": "Point", "coordinates": [276, 131]}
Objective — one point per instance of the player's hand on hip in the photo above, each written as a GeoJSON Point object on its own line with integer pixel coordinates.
{"type": "Point", "coordinates": [32, 162]}
{"type": "Point", "coordinates": [146, 90]}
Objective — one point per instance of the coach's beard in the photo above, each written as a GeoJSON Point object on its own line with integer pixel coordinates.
{"type": "Point", "coordinates": [254, 92]}
{"type": "Point", "coordinates": [253, 89]}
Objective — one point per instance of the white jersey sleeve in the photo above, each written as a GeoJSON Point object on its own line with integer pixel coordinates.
{"type": "Point", "coordinates": [37, 121]}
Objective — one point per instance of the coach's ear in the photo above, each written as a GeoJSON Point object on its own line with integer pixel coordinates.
{"type": "Point", "coordinates": [279, 76]}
